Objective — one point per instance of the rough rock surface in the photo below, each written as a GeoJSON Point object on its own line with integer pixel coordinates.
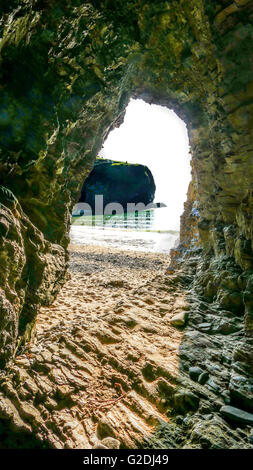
{"type": "Point", "coordinates": [118, 182]}
{"type": "Point", "coordinates": [107, 365]}
{"type": "Point", "coordinates": [68, 70]}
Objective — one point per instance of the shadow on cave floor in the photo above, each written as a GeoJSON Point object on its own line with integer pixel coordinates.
{"type": "Point", "coordinates": [9, 439]}
{"type": "Point", "coordinates": [114, 358]}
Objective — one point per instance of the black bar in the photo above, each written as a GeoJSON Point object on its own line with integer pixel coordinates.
{"type": "Point", "coordinates": [120, 459]}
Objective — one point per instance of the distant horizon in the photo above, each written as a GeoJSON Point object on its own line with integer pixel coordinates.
{"type": "Point", "coordinates": [149, 135]}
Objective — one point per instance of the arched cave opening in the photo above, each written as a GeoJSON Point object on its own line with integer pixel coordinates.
{"type": "Point", "coordinates": [143, 166]}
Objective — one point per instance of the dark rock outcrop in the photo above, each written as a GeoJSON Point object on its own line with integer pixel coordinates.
{"type": "Point", "coordinates": [118, 182]}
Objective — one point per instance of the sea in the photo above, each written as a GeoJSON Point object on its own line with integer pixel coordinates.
{"type": "Point", "coordinates": [147, 231]}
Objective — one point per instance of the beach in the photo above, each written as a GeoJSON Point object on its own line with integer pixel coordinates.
{"type": "Point", "coordinates": [107, 367]}
{"type": "Point", "coordinates": [108, 279]}
{"type": "Point", "coordinates": [109, 348]}
{"type": "Point", "coordinates": [147, 231]}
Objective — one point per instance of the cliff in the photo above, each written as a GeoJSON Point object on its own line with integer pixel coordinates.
{"type": "Point", "coordinates": [118, 182]}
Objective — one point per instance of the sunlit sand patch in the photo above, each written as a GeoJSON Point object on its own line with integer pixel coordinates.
{"type": "Point", "coordinates": [114, 345]}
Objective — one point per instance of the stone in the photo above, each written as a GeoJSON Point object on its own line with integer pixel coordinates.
{"type": "Point", "coordinates": [241, 386]}
{"type": "Point", "coordinates": [208, 416]}
{"type": "Point", "coordinates": [100, 446]}
{"type": "Point", "coordinates": [214, 433]}
{"type": "Point", "coordinates": [195, 372]}
{"type": "Point", "coordinates": [111, 443]}
{"type": "Point", "coordinates": [178, 320]}
{"type": "Point", "coordinates": [170, 270]}
{"type": "Point", "coordinates": [104, 429]}
{"type": "Point", "coordinates": [206, 327]}
{"type": "Point", "coordinates": [185, 401]}
{"type": "Point", "coordinates": [225, 327]}
{"type": "Point", "coordinates": [203, 378]}
{"type": "Point", "coordinates": [226, 397]}
{"type": "Point", "coordinates": [237, 415]}
{"type": "Point", "coordinates": [213, 385]}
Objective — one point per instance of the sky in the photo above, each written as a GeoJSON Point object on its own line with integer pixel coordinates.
{"type": "Point", "coordinates": [156, 137]}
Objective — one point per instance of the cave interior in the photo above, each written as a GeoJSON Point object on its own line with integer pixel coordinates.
{"type": "Point", "coordinates": [68, 71]}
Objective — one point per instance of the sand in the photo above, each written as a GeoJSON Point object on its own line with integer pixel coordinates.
{"type": "Point", "coordinates": [109, 347]}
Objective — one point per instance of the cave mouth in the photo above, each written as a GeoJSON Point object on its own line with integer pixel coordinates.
{"type": "Point", "coordinates": [139, 182]}
{"type": "Point", "coordinates": [114, 301]}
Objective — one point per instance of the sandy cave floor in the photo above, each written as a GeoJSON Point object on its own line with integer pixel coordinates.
{"type": "Point", "coordinates": [104, 350]}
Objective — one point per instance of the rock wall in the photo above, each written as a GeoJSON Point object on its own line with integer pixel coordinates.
{"type": "Point", "coordinates": [68, 70]}
{"type": "Point", "coordinates": [120, 183]}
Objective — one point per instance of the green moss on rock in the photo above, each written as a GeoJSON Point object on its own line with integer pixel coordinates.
{"type": "Point", "coordinates": [68, 70]}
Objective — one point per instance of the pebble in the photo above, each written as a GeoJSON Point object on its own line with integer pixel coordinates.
{"type": "Point", "coordinates": [100, 446]}
{"type": "Point", "coordinates": [251, 437]}
{"type": "Point", "coordinates": [179, 319]}
{"type": "Point", "coordinates": [203, 378]}
{"type": "Point", "coordinates": [237, 415]}
{"type": "Point", "coordinates": [195, 372]}
{"type": "Point", "coordinates": [111, 443]}
{"type": "Point", "coordinates": [213, 385]}
{"type": "Point", "coordinates": [205, 327]}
